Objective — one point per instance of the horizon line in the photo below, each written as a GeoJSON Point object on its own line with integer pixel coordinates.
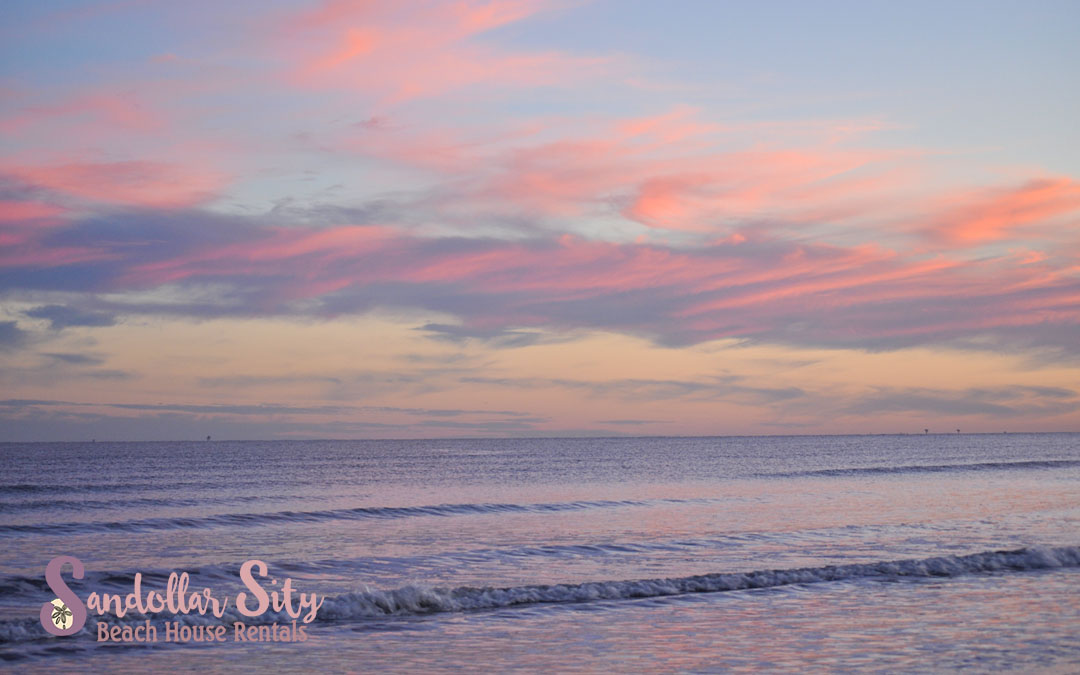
{"type": "Point", "coordinates": [535, 438]}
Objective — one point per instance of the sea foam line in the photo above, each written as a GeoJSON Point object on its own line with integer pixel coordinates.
{"type": "Point", "coordinates": [419, 600]}
{"type": "Point", "coordinates": [930, 468]}
{"type": "Point", "coordinates": [422, 600]}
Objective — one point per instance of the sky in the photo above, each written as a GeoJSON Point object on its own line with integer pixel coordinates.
{"type": "Point", "coordinates": [373, 219]}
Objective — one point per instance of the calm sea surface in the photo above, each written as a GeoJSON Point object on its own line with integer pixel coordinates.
{"type": "Point", "coordinates": [859, 553]}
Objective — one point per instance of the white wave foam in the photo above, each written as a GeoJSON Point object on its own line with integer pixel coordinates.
{"type": "Point", "coordinates": [416, 600]}
{"type": "Point", "coordinates": [420, 600]}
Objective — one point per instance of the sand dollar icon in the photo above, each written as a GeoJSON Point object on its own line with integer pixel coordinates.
{"type": "Point", "coordinates": [61, 615]}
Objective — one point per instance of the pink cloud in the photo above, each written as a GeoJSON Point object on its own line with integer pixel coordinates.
{"type": "Point", "coordinates": [87, 118]}
{"type": "Point", "coordinates": [673, 202]}
{"type": "Point", "coordinates": [135, 183]}
{"type": "Point", "coordinates": [754, 285]}
{"type": "Point", "coordinates": [669, 171]}
{"type": "Point", "coordinates": [30, 254]}
{"type": "Point", "coordinates": [28, 239]}
{"type": "Point", "coordinates": [274, 245]}
{"type": "Point", "coordinates": [671, 127]}
{"type": "Point", "coordinates": [703, 191]}
{"type": "Point", "coordinates": [14, 211]}
{"type": "Point", "coordinates": [396, 53]}
{"type": "Point", "coordinates": [756, 192]}
{"type": "Point", "coordinates": [22, 224]}
{"type": "Point", "coordinates": [996, 214]}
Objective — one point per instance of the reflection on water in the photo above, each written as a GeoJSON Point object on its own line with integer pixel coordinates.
{"type": "Point", "coordinates": [342, 518]}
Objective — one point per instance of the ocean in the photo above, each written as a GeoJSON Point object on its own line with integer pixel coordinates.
{"type": "Point", "coordinates": [917, 553]}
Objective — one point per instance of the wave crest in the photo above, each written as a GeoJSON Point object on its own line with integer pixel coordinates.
{"type": "Point", "coordinates": [422, 600]}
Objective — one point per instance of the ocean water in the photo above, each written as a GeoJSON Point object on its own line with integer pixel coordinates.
{"type": "Point", "coordinates": [802, 554]}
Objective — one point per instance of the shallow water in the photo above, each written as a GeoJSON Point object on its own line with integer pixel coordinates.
{"type": "Point", "coordinates": [573, 554]}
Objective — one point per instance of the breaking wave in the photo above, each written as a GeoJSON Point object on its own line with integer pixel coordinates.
{"type": "Point", "coordinates": [421, 600]}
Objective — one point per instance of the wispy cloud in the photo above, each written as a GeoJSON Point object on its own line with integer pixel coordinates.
{"type": "Point", "coordinates": [1009, 402]}
{"type": "Point", "coordinates": [62, 316]}
{"type": "Point", "coordinates": [508, 292]}
{"type": "Point", "coordinates": [999, 213]}
{"type": "Point", "coordinates": [396, 53]}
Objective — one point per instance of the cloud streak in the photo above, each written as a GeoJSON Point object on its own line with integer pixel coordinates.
{"type": "Point", "coordinates": [396, 53]}
{"type": "Point", "coordinates": [766, 289]}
